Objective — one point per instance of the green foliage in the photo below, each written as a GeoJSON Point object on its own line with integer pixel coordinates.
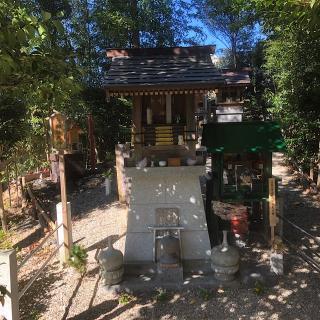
{"type": "Point", "coordinates": [12, 124]}
{"type": "Point", "coordinates": [5, 241]}
{"type": "Point", "coordinates": [290, 65]}
{"type": "Point", "coordinates": [78, 258]}
{"type": "Point", "coordinates": [125, 298]}
{"type": "Point", "coordinates": [52, 57]}
{"type": "Point", "coordinates": [34, 315]}
{"type": "Point", "coordinates": [205, 294]}
{"type": "Point", "coordinates": [109, 119]}
{"type": "Point", "coordinates": [108, 174]}
{"type": "Point", "coordinates": [161, 295]}
{"type": "Point", "coordinates": [231, 24]}
{"type": "Point", "coordinates": [256, 105]}
{"type": "Point", "coordinates": [259, 288]}
{"type": "Point", "coordinates": [37, 70]}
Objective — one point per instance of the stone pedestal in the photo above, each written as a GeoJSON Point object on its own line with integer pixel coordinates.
{"type": "Point", "coordinates": [168, 187]}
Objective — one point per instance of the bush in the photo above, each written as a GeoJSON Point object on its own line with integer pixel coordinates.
{"type": "Point", "coordinates": [78, 258]}
{"type": "Point", "coordinates": [5, 241]}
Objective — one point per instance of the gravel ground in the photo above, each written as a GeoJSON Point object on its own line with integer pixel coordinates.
{"type": "Point", "coordinates": [63, 294]}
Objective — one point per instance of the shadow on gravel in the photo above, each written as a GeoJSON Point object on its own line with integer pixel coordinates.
{"type": "Point", "coordinates": [101, 309]}
{"type": "Point", "coordinates": [34, 301]}
{"type": "Point", "coordinates": [88, 200]}
{"type": "Point", "coordinates": [30, 239]}
{"type": "Point", "coordinates": [74, 293]}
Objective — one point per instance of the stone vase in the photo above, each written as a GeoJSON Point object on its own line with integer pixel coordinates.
{"type": "Point", "coordinates": [225, 260]}
{"type": "Point", "coordinates": [111, 264]}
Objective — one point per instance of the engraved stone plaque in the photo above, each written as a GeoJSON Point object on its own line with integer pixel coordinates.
{"type": "Point", "coordinates": [167, 217]}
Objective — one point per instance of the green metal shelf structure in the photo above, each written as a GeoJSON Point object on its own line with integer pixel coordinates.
{"type": "Point", "coordinates": [257, 140]}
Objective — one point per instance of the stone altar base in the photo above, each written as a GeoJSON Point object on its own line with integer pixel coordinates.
{"type": "Point", "coordinates": [165, 188]}
{"type": "Point", "coordinates": [170, 275]}
{"type": "Point", "coordinates": [150, 282]}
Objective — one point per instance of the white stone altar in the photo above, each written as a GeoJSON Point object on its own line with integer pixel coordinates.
{"type": "Point", "coordinates": [152, 188]}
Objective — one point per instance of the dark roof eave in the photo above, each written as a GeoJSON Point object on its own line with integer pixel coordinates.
{"type": "Point", "coordinates": [165, 86]}
{"type": "Point", "coordinates": [174, 51]}
{"type": "Point", "coordinates": [235, 84]}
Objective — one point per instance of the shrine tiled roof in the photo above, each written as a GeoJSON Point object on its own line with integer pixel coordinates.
{"type": "Point", "coordinates": [236, 78]}
{"type": "Point", "coordinates": [185, 69]}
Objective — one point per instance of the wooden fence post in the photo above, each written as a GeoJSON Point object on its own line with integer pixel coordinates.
{"type": "Point", "coordinates": [65, 214]}
{"type": "Point", "coordinates": [273, 219]}
{"type": "Point", "coordinates": [9, 309]}
{"type": "Point", "coordinates": [64, 235]}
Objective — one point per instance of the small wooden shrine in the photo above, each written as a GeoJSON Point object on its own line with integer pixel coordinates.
{"type": "Point", "coordinates": [158, 173]}
{"type": "Point", "coordinates": [229, 100]}
{"type": "Point", "coordinates": [65, 136]}
{"type": "Point", "coordinates": [165, 85]}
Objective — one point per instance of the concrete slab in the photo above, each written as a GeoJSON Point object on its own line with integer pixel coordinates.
{"type": "Point", "coordinates": [149, 283]}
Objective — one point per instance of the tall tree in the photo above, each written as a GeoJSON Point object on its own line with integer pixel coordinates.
{"type": "Point", "coordinates": [293, 62]}
{"type": "Point", "coordinates": [257, 104]}
{"type": "Point", "coordinates": [37, 72]}
{"type": "Point", "coordinates": [97, 25]}
{"type": "Point", "coordinates": [231, 24]}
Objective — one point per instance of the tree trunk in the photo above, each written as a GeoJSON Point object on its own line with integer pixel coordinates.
{"type": "Point", "coordinates": [2, 211]}
{"type": "Point", "coordinates": [17, 182]}
{"type": "Point", "coordinates": [234, 51]}
{"type": "Point", "coordinates": [135, 36]}
{"type": "Point", "coordinates": [9, 191]}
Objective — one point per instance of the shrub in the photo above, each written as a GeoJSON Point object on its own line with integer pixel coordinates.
{"type": "Point", "coordinates": [78, 258]}
{"type": "Point", "coordinates": [5, 241]}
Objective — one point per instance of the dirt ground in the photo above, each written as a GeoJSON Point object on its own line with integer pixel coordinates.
{"type": "Point", "coordinates": [63, 294]}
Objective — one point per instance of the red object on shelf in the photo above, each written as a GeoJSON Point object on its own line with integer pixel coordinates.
{"type": "Point", "coordinates": [239, 222]}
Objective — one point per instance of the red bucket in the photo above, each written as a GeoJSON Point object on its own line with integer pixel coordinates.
{"type": "Point", "coordinates": [239, 222]}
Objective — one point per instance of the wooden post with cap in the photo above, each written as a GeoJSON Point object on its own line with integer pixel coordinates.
{"type": "Point", "coordinates": [64, 234]}
{"type": "Point", "coordinates": [273, 219]}
{"type": "Point", "coordinates": [66, 240]}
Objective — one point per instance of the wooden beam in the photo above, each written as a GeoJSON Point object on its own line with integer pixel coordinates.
{"type": "Point", "coordinates": [168, 109]}
{"type": "Point", "coordinates": [40, 210]}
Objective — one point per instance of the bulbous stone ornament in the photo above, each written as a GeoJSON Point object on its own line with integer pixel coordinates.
{"type": "Point", "coordinates": [225, 260]}
{"type": "Point", "coordinates": [111, 264]}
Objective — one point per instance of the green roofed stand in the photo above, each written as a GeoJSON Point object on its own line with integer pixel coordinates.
{"type": "Point", "coordinates": [241, 155]}
{"type": "Point", "coordinates": [231, 144]}
{"type": "Point", "coordinates": [238, 137]}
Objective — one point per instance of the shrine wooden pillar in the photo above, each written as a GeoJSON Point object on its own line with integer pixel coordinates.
{"type": "Point", "coordinates": [191, 124]}
{"type": "Point", "coordinates": [137, 137]}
